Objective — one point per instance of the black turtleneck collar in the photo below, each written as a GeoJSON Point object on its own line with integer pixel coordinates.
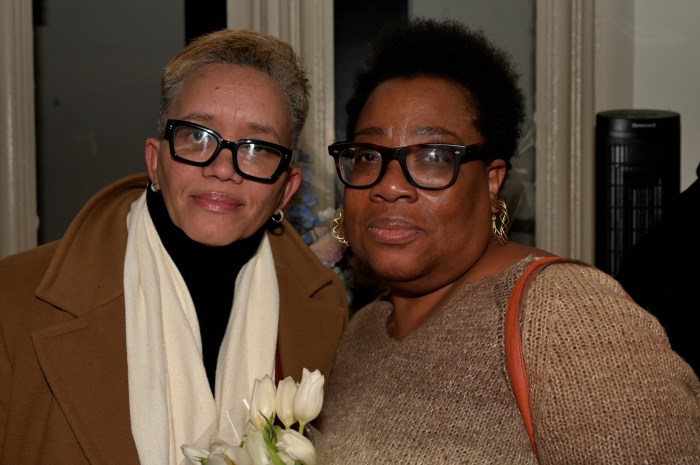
{"type": "Point", "coordinates": [210, 274]}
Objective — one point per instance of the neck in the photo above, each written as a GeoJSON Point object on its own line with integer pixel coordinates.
{"type": "Point", "coordinates": [412, 310]}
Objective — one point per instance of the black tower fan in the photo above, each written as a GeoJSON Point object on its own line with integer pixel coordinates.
{"type": "Point", "coordinates": [637, 178]}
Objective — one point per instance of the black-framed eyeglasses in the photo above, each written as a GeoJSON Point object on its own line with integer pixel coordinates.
{"type": "Point", "coordinates": [428, 166]}
{"type": "Point", "coordinates": [253, 159]}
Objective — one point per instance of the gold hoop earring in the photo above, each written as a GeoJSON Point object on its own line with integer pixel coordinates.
{"type": "Point", "coordinates": [500, 231]}
{"type": "Point", "coordinates": [336, 226]}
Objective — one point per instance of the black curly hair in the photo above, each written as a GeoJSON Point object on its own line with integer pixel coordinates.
{"type": "Point", "coordinates": [449, 50]}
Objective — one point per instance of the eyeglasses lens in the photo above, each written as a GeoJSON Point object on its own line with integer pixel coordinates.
{"type": "Point", "coordinates": [253, 159]}
{"type": "Point", "coordinates": [431, 167]}
{"type": "Point", "coordinates": [360, 167]}
{"type": "Point", "coordinates": [428, 167]}
{"type": "Point", "coordinates": [258, 160]}
{"type": "Point", "coordinates": [194, 144]}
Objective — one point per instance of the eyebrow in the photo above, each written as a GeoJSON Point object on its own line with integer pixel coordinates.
{"type": "Point", "coordinates": [257, 127]}
{"type": "Point", "coordinates": [198, 117]}
{"type": "Point", "coordinates": [419, 131]}
{"type": "Point", "coordinates": [435, 131]}
{"type": "Point", "coordinates": [265, 129]}
{"type": "Point", "coordinates": [371, 131]}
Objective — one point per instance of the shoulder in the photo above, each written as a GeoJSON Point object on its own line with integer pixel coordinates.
{"type": "Point", "coordinates": [117, 196]}
{"type": "Point", "coordinates": [598, 362]}
{"type": "Point", "coordinates": [19, 264]}
{"type": "Point", "coordinates": [21, 310]}
{"type": "Point", "coordinates": [286, 245]}
{"type": "Point", "coordinates": [581, 297]}
{"type": "Point", "coordinates": [85, 258]}
{"type": "Point", "coordinates": [20, 274]}
{"type": "Point", "coordinates": [501, 259]}
{"type": "Point", "coordinates": [576, 282]}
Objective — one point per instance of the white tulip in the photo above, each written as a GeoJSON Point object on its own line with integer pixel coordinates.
{"type": "Point", "coordinates": [286, 389]}
{"type": "Point", "coordinates": [262, 402]}
{"type": "Point", "coordinates": [194, 454]}
{"type": "Point", "coordinates": [255, 445]}
{"type": "Point", "coordinates": [219, 453]}
{"type": "Point", "coordinates": [223, 453]}
{"type": "Point", "coordinates": [286, 459]}
{"type": "Point", "coordinates": [309, 397]}
{"type": "Point", "coordinates": [297, 447]}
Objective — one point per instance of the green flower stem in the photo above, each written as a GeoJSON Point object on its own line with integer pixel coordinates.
{"type": "Point", "coordinates": [270, 440]}
{"type": "Point", "coordinates": [301, 428]}
{"type": "Point", "coordinates": [272, 450]}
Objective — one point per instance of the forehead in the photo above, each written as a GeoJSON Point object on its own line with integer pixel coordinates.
{"type": "Point", "coordinates": [226, 95]}
{"type": "Point", "coordinates": [421, 107]}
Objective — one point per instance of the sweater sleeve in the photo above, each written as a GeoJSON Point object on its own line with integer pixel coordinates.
{"type": "Point", "coordinates": [605, 385]}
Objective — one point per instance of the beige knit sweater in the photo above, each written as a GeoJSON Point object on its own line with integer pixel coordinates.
{"type": "Point", "coordinates": [605, 386]}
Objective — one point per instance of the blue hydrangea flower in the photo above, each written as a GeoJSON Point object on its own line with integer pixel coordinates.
{"type": "Point", "coordinates": [309, 199]}
{"type": "Point", "coordinates": [302, 217]}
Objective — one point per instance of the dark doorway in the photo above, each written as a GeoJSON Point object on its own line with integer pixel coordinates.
{"type": "Point", "coordinates": [356, 24]}
{"type": "Point", "coordinates": [203, 17]}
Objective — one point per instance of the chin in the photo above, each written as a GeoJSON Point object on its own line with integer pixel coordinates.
{"type": "Point", "coordinates": [395, 261]}
{"type": "Point", "coordinates": [214, 239]}
{"type": "Point", "coordinates": [210, 243]}
{"type": "Point", "coordinates": [390, 272]}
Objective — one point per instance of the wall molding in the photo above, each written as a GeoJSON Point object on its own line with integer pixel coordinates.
{"type": "Point", "coordinates": [565, 117]}
{"type": "Point", "coordinates": [18, 207]}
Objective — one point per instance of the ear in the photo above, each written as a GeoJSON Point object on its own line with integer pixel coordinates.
{"type": "Point", "coordinates": [291, 186]}
{"type": "Point", "coordinates": [151, 154]}
{"type": "Point", "coordinates": [496, 171]}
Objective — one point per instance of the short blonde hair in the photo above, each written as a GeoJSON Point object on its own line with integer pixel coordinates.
{"type": "Point", "coordinates": [259, 51]}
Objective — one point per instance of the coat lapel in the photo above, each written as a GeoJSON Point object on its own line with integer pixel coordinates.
{"type": "Point", "coordinates": [313, 308]}
{"type": "Point", "coordinates": [84, 361]}
{"type": "Point", "coordinates": [84, 356]}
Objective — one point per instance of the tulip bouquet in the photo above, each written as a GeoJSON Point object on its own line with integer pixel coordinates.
{"type": "Point", "coordinates": [267, 442]}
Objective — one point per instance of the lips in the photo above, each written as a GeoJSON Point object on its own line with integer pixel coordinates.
{"type": "Point", "coordinates": [217, 202]}
{"type": "Point", "coordinates": [393, 230]}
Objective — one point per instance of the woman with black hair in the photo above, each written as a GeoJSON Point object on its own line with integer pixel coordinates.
{"type": "Point", "coordinates": [422, 374]}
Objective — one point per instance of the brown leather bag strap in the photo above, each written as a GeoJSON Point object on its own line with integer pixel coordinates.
{"type": "Point", "coordinates": [513, 345]}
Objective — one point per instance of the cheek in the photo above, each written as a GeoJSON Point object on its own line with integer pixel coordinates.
{"type": "Point", "coordinates": [462, 216]}
{"type": "Point", "coordinates": [171, 173]}
{"type": "Point", "coordinates": [264, 197]}
{"type": "Point", "coordinates": [352, 206]}
{"type": "Point", "coordinates": [167, 180]}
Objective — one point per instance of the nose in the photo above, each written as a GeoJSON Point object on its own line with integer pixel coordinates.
{"type": "Point", "coordinates": [222, 167]}
{"type": "Point", "coordinates": [393, 186]}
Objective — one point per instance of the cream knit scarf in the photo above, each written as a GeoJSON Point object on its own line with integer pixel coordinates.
{"type": "Point", "coordinates": [170, 399]}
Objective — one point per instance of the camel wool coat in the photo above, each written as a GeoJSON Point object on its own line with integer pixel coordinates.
{"type": "Point", "coordinates": [63, 369]}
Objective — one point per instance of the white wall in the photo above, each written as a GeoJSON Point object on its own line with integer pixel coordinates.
{"type": "Point", "coordinates": [667, 69]}
{"type": "Point", "coordinates": [648, 57]}
{"type": "Point", "coordinates": [614, 54]}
